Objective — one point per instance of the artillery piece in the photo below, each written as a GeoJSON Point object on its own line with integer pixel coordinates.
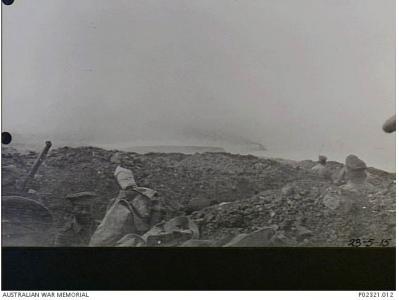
{"type": "Point", "coordinates": [25, 221]}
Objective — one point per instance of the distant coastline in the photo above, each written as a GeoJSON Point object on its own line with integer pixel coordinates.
{"type": "Point", "coordinates": [174, 149]}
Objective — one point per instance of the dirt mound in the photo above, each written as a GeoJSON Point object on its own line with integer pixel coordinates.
{"type": "Point", "coordinates": [298, 214]}
{"type": "Point", "coordinates": [245, 191]}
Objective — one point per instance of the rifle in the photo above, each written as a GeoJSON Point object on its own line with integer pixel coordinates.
{"type": "Point", "coordinates": [36, 166]}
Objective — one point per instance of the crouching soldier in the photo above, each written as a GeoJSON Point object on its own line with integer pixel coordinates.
{"type": "Point", "coordinates": [134, 211]}
{"type": "Point", "coordinates": [80, 225]}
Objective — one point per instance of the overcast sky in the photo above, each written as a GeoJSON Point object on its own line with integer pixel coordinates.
{"type": "Point", "coordinates": [301, 77]}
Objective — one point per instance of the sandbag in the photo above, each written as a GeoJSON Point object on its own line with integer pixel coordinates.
{"type": "Point", "coordinates": [117, 222]}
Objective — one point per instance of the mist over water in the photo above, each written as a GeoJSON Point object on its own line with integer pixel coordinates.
{"type": "Point", "coordinates": [298, 77]}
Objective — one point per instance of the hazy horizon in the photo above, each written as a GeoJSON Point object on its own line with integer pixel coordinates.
{"type": "Point", "coordinates": [299, 77]}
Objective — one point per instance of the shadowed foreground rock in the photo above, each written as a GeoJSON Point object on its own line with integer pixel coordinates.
{"type": "Point", "coordinates": [258, 238]}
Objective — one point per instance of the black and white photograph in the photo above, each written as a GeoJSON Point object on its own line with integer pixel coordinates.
{"type": "Point", "coordinates": [178, 123]}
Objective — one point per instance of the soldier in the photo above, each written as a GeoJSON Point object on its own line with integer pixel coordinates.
{"type": "Point", "coordinates": [321, 168]}
{"type": "Point", "coordinates": [134, 211]}
{"type": "Point", "coordinates": [80, 226]}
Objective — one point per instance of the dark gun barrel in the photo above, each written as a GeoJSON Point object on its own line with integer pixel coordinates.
{"type": "Point", "coordinates": [36, 166]}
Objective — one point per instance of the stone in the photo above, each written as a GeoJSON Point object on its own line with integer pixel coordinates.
{"type": "Point", "coordinates": [331, 201]}
{"type": "Point", "coordinates": [333, 197]}
{"type": "Point", "coordinates": [303, 233]}
{"type": "Point", "coordinates": [287, 190]}
{"type": "Point", "coordinates": [197, 204]}
{"type": "Point", "coordinates": [352, 162]}
{"type": "Point", "coordinates": [280, 240]}
{"type": "Point", "coordinates": [198, 243]}
{"type": "Point", "coordinates": [321, 171]}
{"type": "Point", "coordinates": [116, 158]}
{"type": "Point", "coordinates": [258, 238]}
{"type": "Point", "coordinates": [80, 196]}
{"type": "Point", "coordinates": [131, 240]}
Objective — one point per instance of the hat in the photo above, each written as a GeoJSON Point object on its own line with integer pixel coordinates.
{"type": "Point", "coordinates": [354, 163]}
{"type": "Point", "coordinates": [124, 177]}
{"type": "Point", "coordinates": [322, 158]}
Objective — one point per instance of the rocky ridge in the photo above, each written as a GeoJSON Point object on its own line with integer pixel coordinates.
{"type": "Point", "coordinates": [225, 194]}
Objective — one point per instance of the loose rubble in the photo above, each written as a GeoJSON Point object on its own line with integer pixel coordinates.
{"type": "Point", "coordinates": [233, 199]}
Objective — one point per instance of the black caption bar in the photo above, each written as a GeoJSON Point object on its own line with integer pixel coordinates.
{"type": "Point", "coordinates": [198, 269]}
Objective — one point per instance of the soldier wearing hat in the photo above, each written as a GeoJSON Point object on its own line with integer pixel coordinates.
{"type": "Point", "coordinates": [321, 168]}
{"type": "Point", "coordinates": [80, 225]}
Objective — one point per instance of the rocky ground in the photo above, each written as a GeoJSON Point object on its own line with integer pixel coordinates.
{"type": "Point", "coordinates": [225, 194]}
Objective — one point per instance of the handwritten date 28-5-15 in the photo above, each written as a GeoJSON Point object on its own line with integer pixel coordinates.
{"type": "Point", "coordinates": [369, 242]}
